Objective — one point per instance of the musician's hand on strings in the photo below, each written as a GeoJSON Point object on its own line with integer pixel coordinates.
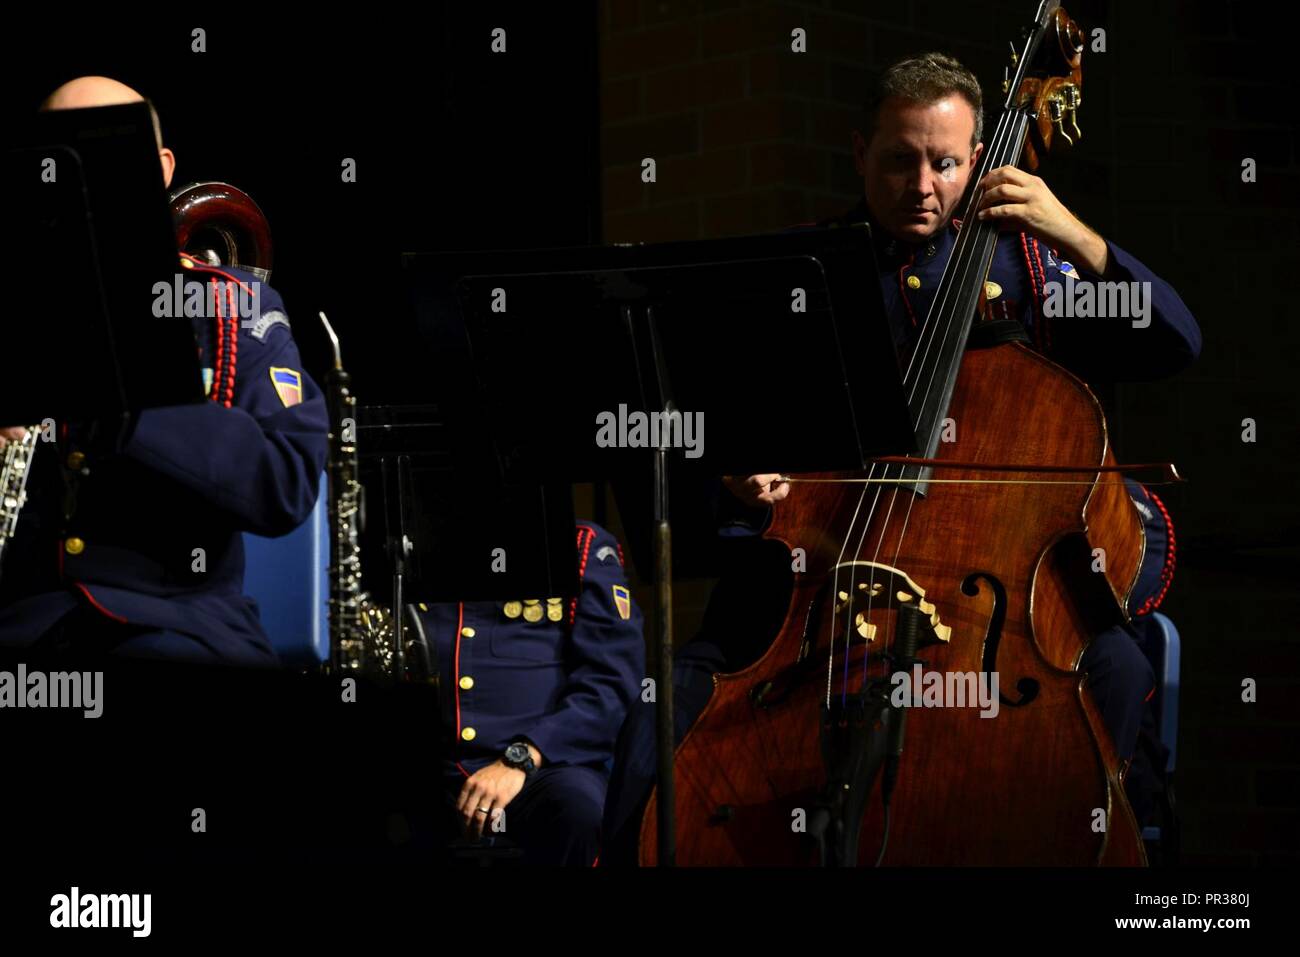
{"type": "Point", "coordinates": [485, 792]}
{"type": "Point", "coordinates": [15, 433]}
{"type": "Point", "coordinates": [1020, 201]}
{"type": "Point", "coordinates": [756, 490]}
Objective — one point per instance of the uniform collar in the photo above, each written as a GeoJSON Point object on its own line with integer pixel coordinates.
{"type": "Point", "coordinates": [891, 251]}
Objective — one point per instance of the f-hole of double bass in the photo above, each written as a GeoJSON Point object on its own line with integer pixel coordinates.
{"type": "Point", "coordinates": [1027, 687]}
{"type": "Point", "coordinates": [864, 598]}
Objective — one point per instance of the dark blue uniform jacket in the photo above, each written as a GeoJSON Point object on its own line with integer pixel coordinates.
{"type": "Point", "coordinates": [565, 686]}
{"type": "Point", "coordinates": [120, 531]}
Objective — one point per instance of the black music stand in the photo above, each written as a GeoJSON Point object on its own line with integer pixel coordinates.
{"type": "Point", "coordinates": [88, 240]}
{"type": "Point", "coordinates": [439, 510]}
{"type": "Point", "coordinates": [557, 341]}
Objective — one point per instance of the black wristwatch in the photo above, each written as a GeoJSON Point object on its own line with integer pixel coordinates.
{"type": "Point", "coordinates": [517, 756]}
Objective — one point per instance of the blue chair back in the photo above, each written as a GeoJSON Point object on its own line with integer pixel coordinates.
{"type": "Point", "coordinates": [1168, 662]}
{"type": "Point", "coordinates": [288, 578]}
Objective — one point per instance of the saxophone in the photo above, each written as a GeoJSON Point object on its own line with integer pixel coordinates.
{"type": "Point", "coordinates": [13, 482]}
{"type": "Point", "coordinates": [363, 633]}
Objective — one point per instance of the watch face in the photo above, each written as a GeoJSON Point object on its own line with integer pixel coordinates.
{"type": "Point", "coordinates": [517, 754]}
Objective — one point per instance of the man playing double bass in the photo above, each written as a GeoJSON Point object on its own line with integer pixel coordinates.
{"type": "Point", "coordinates": [919, 142]}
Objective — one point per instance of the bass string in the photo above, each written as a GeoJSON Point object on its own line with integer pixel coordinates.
{"type": "Point", "coordinates": [965, 256]}
{"type": "Point", "coordinates": [1005, 146]}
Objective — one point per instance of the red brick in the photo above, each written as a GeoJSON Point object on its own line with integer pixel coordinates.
{"type": "Point", "coordinates": [621, 188]}
{"type": "Point", "coordinates": [765, 27]}
{"type": "Point", "coordinates": [838, 36]}
{"type": "Point", "coordinates": [669, 11]}
{"type": "Point", "coordinates": [786, 73]}
{"type": "Point", "coordinates": [833, 125]}
{"type": "Point", "coordinates": [785, 164]}
{"type": "Point", "coordinates": [672, 91]}
{"type": "Point", "coordinates": [655, 224]}
{"type": "Point", "coordinates": [751, 121]}
{"type": "Point", "coordinates": [618, 16]}
{"type": "Point", "coordinates": [895, 14]}
{"type": "Point", "coordinates": [652, 49]}
{"type": "Point", "coordinates": [754, 211]}
{"type": "Point", "coordinates": [620, 100]}
{"type": "Point", "coordinates": [718, 171]}
{"type": "Point", "coordinates": [826, 205]}
{"type": "Point", "coordinates": [889, 45]}
{"type": "Point", "coordinates": [845, 180]}
{"type": "Point", "coordinates": [849, 84]}
{"type": "Point", "coordinates": [632, 142]}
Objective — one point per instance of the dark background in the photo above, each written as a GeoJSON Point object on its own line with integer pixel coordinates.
{"type": "Point", "coordinates": [457, 148]}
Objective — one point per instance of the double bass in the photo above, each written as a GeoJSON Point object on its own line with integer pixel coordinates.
{"type": "Point", "coordinates": [975, 557]}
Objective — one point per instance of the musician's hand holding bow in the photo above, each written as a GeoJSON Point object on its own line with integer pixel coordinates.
{"type": "Point", "coordinates": [756, 490]}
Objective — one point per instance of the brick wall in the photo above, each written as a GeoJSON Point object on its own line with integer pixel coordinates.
{"type": "Point", "coordinates": [749, 136]}
{"type": "Point", "coordinates": [1206, 86]}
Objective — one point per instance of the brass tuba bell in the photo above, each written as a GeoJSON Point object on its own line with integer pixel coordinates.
{"type": "Point", "coordinates": [222, 226]}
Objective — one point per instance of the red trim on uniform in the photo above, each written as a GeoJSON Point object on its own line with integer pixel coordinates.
{"type": "Point", "coordinates": [460, 623]}
{"type": "Point", "coordinates": [1042, 313]}
{"type": "Point", "coordinates": [597, 860]}
{"type": "Point", "coordinates": [234, 346]}
{"type": "Point", "coordinates": [1171, 552]}
{"type": "Point", "coordinates": [902, 287]}
{"type": "Point", "coordinates": [98, 607]}
{"type": "Point", "coordinates": [218, 367]}
{"type": "Point", "coordinates": [204, 267]}
{"type": "Point", "coordinates": [1150, 694]}
{"type": "Point", "coordinates": [589, 533]}
{"type": "Point", "coordinates": [1033, 291]}
{"type": "Point", "coordinates": [461, 769]}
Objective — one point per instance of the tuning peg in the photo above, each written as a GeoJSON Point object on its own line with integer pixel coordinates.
{"type": "Point", "coordinates": [1015, 57]}
{"type": "Point", "coordinates": [1072, 98]}
{"type": "Point", "coordinates": [1006, 79]}
{"type": "Point", "coordinates": [1056, 110]}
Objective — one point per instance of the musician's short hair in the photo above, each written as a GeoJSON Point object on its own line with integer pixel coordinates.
{"type": "Point", "coordinates": [925, 79]}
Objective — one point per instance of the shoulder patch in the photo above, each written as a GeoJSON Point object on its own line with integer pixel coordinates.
{"type": "Point", "coordinates": [288, 385]}
{"type": "Point", "coordinates": [607, 552]}
{"type": "Point", "coordinates": [622, 601]}
{"type": "Point", "coordinates": [259, 327]}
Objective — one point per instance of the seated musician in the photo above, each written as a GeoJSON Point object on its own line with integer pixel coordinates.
{"type": "Point", "coordinates": [919, 143]}
{"type": "Point", "coordinates": [106, 557]}
{"type": "Point", "coordinates": [536, 692]}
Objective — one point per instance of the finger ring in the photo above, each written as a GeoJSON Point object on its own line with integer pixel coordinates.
{"type": "Point", "coordinates": [483, 810]}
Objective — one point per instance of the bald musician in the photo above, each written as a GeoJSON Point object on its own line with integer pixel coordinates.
{"type": "Point", "coordinates": [136, 549]}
